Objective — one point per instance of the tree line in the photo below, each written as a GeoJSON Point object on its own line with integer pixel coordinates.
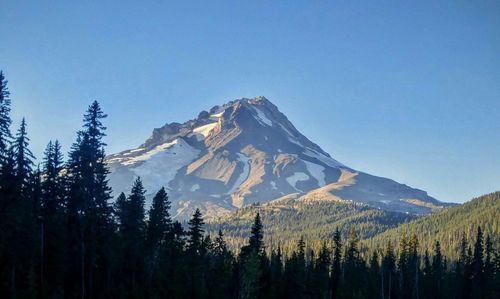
{"type": "Point", "coordinates": [62, 236]}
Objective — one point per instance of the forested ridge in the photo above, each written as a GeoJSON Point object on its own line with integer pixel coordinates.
{"type": "Point", "coordinates": [62, 236]}
{"type": "Point", "coordinates": [449, 225]}
{"type": "Point", "coordinates": [315, 221]}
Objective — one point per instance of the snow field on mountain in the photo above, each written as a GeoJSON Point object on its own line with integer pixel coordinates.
{"type": "Point", "coordinates": [163, 163]}
{"type": "Point", "coordinates": [297, 177]}
{"type": "Point", "coordinates": [203, 131]}
{"type": "Point", "coordinates": [325, 159]}
{"type": "Point", "coordinates": [261, 117]}
{"type": "Point", "coordinates": [317, 172]}
{"type": "Point", "coordinates": [244, 174]}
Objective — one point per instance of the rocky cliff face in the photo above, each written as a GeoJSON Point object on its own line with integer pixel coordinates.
{"type": "Point", "coordinates": [247, 151]}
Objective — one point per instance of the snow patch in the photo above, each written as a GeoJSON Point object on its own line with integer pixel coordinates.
{"type": "Point", "coordinates": [217, 115]}
{"type": "Point", "coordinates": [147, 155]}
{"type": "Point", "coordinates": [286, 130]}
{"type": "Point", "coordinates": [203, 131]}
{"type": "Point", "coordinates": [321, 157]}
{"type": "Point", "coordinates": [317, 172]}
{"type": "Point", "coordinates": [163, 162]}
{"type": "Point", "coordinates": [292, 140]}
{"type": "Point", "coordinates": [194, 188]}
{"type": "Point", "coordinates": [244, 174]}
{"type": "Point", "coordinates": [297, 177]}
{"type": "Point", "coordinates": [261, 117]}
{"type": "Point", "coordinates": [273, 185]}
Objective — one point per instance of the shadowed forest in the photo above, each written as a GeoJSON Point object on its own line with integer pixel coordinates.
{"type": "Point", "coordinates": [63, 236]}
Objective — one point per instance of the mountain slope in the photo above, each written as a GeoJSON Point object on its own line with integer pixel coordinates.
{"type": "Point", "coordinates": [447, 226]}
{"type": "Point", "coordinates": [244, 152]}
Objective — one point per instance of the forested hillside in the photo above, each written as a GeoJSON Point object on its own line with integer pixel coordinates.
{"type": "Point", "coordinates": [315, 221]}
{"type": "Point", "coordinates": [449, 225]}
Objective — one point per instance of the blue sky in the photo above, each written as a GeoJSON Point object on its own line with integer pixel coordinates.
{"type": "Point", "coordinates": [405, 89]}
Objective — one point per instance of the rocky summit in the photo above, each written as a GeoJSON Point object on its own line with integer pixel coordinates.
{"type": "Point", "coordinates": [247, 151]}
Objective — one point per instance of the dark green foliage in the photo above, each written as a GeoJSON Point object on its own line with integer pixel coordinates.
{"type": "Point", "coordinates": [5, 120]}
{"type": "Point", "coordinates": [449, 225]}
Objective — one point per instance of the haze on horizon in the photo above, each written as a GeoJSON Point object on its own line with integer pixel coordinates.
{"type": "Point", "coordinates": [400, 90]}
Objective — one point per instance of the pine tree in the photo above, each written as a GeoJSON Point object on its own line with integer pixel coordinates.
{"type": "Point", "coordinates": [132, 231]}
{"type": "Point", "coordinates": [24, 157]}
{"type": "Point", "coordinates": [336, 266]}
{"type": "Point", "coordinates": [353, 268]}
{"type": "Point", "coordinates": [195, 233]}
{"type": "Point", "coordinates": [256, 235]}
{"type": "Point", "coordinates": [462, 269]}
{"type": "Point", "coordinates": [196, 253]}
{"type": "Point", "coordinates": [489, 268]}
{"type": "Point", "coordinates": [276, 277]}
{"type": "Point", "coordinates": [252, 262]}
{"type": "Point", "coordinates": [90, 221]}
{"type": "Point", "coordinates": [296, 272]}
{"type": "Point", "coordinates": [5, 120]}
{"type": "Point", "coordinates": [157, 233]}
{"type": "Point", "coordinates": [52, 217]}
{"type": "Point", "coordinates": [413, 267]}
{"type": "Point", "coordinates": [404, 289]}
{"type": "Point", "coordinates": [478, 265]}
{"type": "Point", "coordinates": [374, 276]}
{"type": "Point", "coordinates": [437, 271]}
{"type": "Point", "coordinates": [159, 219]}
{"type": "Point", "coordinates": [52, 185]}
{"type": "Point", "coordinates": [388, 272]}
{"type": "Point", "coordinates": [321, 273]}
{"type": "Point", "coordinates": [221, 269]}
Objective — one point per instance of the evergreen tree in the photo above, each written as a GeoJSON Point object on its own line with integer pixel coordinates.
{"type": "Point", "coordinates": [90, 221]}
{"type": "Point", "coordinates": [463, 269]}
{"type": "Point", "coordinates": [489, 268]}
{"type": "Point", "coordinates": [388, 272]}
{"type": "Point", "coordinates": [5, 120]}
{"type": "Point", "coordinates": [295, 272]}
{"type": "Point", "coordinates": [437, 271]}
{"type": "Point", "coordinates": [256, 235]}
{"type": "Point", "coordinates": [24, 157]}
{"type": "Point", "coordinates": [221, 269]}
{"type": "Point", "coordinates": [159, 219]}
{"type": "Point", "coordinates": [321, 275]}
{"type": "Point", "coordinates": [403, 276]}
{"type": "Point", "coordinates": [132, 231]}
{"type": "Point", "coordinates": [276, 276]}
{"type": "Point", "coordinates": [252, 262]}
{"type": "Point", "coordinates": [353, 268]}
{"type": "Point", "coordinates": [478, 265]}
{"type": "Point", "coordinates": [413, 267]}
{"type": "Point", "coordinates": [52, 217]}
{"type": "Point", "coordinates": [195, 233]}
{"type": "Point", "coordinates": [336, 266]}
{"type": "Point", "coordinates": [374, 277]}
{"type": "Point", "coordinates": [196, 253]}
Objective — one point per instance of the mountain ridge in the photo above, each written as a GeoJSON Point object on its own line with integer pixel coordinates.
{"type": "Point", "coordinates": [247, 151]}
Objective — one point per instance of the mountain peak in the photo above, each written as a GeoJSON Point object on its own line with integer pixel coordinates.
{"type": "Point", "coordinates": [247, 151]}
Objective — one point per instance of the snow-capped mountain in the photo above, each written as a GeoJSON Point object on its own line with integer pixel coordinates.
{"type": "Point", "coordinates": [244, 152]}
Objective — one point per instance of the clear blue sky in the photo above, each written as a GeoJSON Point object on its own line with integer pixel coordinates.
{"type": "Point", "coordinates": [404, 89]}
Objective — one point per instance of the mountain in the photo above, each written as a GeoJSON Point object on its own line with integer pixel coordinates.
{"type": "Point", "coordinates": [247, 151]}
{"type": "Point", "coordinates": [448, 226]}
